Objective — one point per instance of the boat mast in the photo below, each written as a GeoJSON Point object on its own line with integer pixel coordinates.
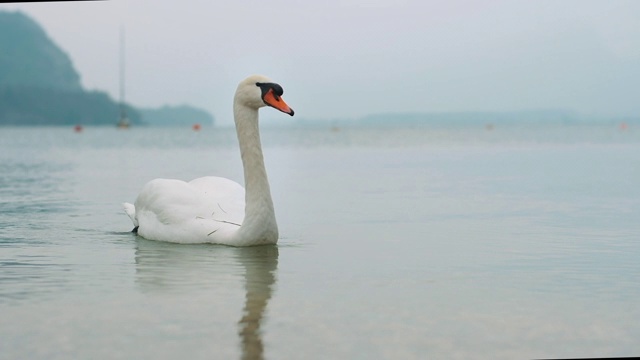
{"type": "Point", "coordinates": [123, 112]}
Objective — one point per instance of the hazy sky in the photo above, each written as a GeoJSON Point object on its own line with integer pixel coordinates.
{"type": "Point", "coordinates": [339, 59]}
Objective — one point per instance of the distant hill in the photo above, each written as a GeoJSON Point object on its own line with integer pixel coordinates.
{"type": "Point", "coordinates": [28, 58]}
{"type": "Point", "coordinates": [176, 115]}
{"type": "Point", "coordinates": [40, 86]}
{"type": "Point", "coordinates": [473, 118]}
{"type": "Point", "coordinates": [485, 118]}
{"type": "Point", "coordinates": [41, 106]}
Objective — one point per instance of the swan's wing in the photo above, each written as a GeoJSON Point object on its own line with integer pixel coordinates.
{"type": "Point", "coordinates": [226, 197]}
{"type": "Point", "coordinates": [202, 210]}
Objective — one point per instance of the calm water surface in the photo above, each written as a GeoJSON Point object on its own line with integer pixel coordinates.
{"type": "Point", "coordinates": [396, 243]}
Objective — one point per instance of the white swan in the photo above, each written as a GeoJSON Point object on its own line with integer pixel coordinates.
{"type": "Point", "coordinates": [214, 209]}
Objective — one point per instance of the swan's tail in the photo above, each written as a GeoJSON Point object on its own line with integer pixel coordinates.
{"type": "Point", "coordinates": [131, 211]}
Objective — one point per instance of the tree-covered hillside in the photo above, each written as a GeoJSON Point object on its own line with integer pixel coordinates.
{"type": "Point", "coordinates": [40, 106]}
{"type": "Point", "coordinates": [29, 58]}
{"type": "Point", "coordinates": [40, 86]}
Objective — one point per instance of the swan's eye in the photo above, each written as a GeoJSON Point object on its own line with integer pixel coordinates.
{"type": "Point", "coordinates": [277, 89]}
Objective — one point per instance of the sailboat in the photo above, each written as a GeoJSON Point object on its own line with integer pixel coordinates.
{"type": "Point", "coordinates": [123, 122]}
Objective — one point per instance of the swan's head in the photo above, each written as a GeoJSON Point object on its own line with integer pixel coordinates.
{"type": "Point", "coordinates": [257, 91]}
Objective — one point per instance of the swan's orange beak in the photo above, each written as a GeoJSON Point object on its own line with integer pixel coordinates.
{"type": "Point", "coordinates": [275, 101]}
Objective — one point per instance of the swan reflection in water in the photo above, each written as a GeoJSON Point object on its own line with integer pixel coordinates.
{"type": "Point", "coordinates": [170, 268]}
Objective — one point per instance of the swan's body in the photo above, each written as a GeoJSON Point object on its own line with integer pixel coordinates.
{"type": "Point", "coordinates": [214, 209]}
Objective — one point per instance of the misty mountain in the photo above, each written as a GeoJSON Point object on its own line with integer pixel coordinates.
{"type": "Point", "coordinates": [40, 86]}
{"type": "Point", "coordinates": [28, 58]}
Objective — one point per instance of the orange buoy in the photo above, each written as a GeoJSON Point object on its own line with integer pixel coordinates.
{"type": "Point", "coordinates": [77, 128]}
{"type": "Point", "coordinates": [196, 127]}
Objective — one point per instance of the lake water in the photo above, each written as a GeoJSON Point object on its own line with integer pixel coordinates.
{"type": "Point", "coordinates": [396, 243]}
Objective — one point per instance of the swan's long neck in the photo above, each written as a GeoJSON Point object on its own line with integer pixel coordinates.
{"type": "Point", "coordinates": [259, 223]}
